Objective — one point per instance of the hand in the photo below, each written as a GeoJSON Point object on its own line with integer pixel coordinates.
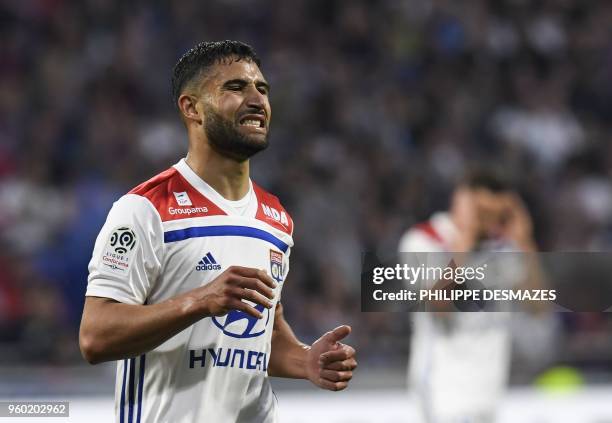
{"type": "Point", "coordinates": [226, 292]}
{"type": "Point", "coordinates": [518, 226]}
{"type": "Point", "coordinates": [330, 364]}
{"type": "Point", "coordinates": [465, 217]}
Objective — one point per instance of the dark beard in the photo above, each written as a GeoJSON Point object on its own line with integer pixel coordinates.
{"type": "Point", "coordinates": [225, 138]}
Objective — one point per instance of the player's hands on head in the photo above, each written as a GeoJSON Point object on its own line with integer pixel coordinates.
{"type": "Point", "coordinates": [517, 225]}
{"type": "Point", "coordinates": [331, 363]}
{"type": "Point", "coordinates": [465, 216]}
{"type": "Point", "coordinates": [236, 283]}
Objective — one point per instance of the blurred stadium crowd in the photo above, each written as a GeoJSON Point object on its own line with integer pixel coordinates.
{"type": "Point", "coordinates": [377, 109]}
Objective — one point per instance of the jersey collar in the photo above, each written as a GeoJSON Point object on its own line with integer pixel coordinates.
{"type": "Point", "coordinates": [209, 192]}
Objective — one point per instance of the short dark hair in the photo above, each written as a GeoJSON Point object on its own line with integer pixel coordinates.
{"type": "Point", "coordinates": [202, 56]}
{"type": "Point", "coordinates": [488, 178]}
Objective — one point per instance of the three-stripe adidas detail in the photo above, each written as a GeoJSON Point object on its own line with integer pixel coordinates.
{"type": "Point", "coordinates": [208, 262]}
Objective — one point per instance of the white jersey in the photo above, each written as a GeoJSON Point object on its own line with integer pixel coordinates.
{"type": "Point", "coordinates": [170, 235]}
{"type": "Point", "coordinates": [458, 367]}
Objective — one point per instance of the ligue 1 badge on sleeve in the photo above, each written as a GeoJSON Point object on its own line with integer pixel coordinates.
{"type": "Point", "coordinates": [117, 254]}
{"type": "Point", "coordinates": [276, 265]}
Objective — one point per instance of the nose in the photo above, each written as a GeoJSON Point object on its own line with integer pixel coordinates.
{"type": "Point", "coordinates": [255, 99]}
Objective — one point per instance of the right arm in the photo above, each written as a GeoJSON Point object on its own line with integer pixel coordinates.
{"type": "Point", "coordinates": [111, 330]}
{"type": "Point", "coordinates": [117, 322]}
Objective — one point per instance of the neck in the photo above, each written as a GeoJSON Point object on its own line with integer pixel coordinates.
{"type": "Point", "coordinates": [227, 176]}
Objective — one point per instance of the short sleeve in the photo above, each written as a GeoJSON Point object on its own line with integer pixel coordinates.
{"type": "Point", "coordinates": [128, 254]}
{"type": "Point", "coordinates": [417, 241]}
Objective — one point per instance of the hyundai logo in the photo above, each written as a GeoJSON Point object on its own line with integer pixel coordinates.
{"type": "Point", "coordinates": [239, 324]}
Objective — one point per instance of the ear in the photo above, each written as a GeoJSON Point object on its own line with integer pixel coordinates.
{"type": "Point", "coordinates": [187, 104]}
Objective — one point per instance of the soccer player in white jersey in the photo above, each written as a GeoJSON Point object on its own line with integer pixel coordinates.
{"type": "Point", "coordinates": [186, 275]}
{"type": "Point", "coordinates": [459, 362]}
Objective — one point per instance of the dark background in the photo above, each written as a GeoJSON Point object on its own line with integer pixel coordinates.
{"type": "Point", "coordinates": [378, 107]}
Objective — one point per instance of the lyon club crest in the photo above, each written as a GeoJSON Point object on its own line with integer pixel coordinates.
{"type": "Point", "coordinates": [276, 265]}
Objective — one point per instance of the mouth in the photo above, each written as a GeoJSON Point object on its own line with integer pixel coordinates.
{"type": "Point", "coordinates": [253, 121]}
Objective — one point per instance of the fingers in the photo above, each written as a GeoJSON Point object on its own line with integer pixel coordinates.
{"type": "Point", "coordinates": [337, 365]}
{"type": "Point", "coordinates": [236, 304]}
{"type": "Point", "coordinates": [335, 376]}
{"type": "Point", "coordinates": [344, 353]}
{"type": "Point", "coordinates": [514, 204]}
{"type": "Point", "coordinates": [345, 365]}
{"type": "Point", "coordinates": [236, 284]}
{"type": "Point", "coordinates": [516, 200]}
{"type": "Point", "coordinates": [337, 334]}
{"type": "Point", "coordinates": [254, 285]}
{"type": "Point", "coordinates": [253, 296]}
{"type": "Point", "coordinates": [250, 272]}
{"type": "Point", "coordinates": [332, 386]}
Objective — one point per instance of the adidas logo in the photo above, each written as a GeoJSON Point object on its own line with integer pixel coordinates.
{"type": "Point", "coordinates": [208, 262]}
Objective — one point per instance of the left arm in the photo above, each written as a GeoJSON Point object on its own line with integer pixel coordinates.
{"type": "Point", "coordinates": [327, 363]}
{"type": "Point", "coordinates": [289, 355]}
{"type": "Point", "coordinates": [519, 228]}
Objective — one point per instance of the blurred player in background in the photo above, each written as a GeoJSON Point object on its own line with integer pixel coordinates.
{"type": "Point", "coordinates": [186, 275]}
{"type": "Point", "coordinates": [459, 362]}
